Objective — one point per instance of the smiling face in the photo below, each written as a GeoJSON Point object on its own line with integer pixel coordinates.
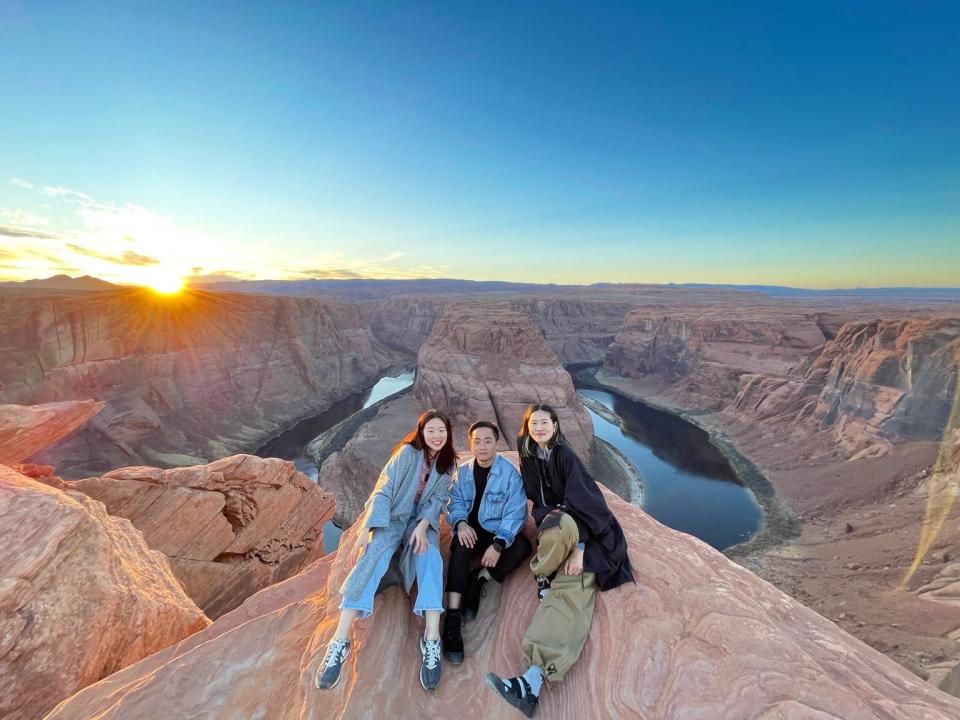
{"type": "Point", "coordinates": [434, 435]}
{"type": "Point", "coordinates": [483, 443]}
{"type": "Point", "coordinates": [541, 427]}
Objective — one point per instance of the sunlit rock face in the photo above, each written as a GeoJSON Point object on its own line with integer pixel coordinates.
{"type": "Point", "coordinates": [697, 636]}
{"type": "Point", "coordinates": [703, 355]}
{"type": "Point", "coordinates": [81, 596]}
{"type": "Point", "coordinates": [185, 378]}
{"type": "Point", "coordinates": [491, 363]}
{"type": "Point", "coordinates": [875, 383]}
{"type": "Point", "coordinates": [229, 528]}
{"type": "Point", "coordinates": [27, 429]}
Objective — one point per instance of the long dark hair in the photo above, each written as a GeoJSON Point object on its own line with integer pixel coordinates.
{"type": "Point", "coordinates": [525, 444]}
{"type": "Point", "coordinates": [446, 459]}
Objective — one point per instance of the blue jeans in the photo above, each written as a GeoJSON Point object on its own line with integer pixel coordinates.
{"type": "Point", "coordinates": [429, 585]}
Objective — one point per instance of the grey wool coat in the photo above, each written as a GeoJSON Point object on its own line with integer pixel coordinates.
{"type": "Point", "coordinates": [389, 512]}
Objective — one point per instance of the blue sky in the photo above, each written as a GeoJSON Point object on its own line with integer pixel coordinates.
{"type": "Point", "coordinates": [798, 143]}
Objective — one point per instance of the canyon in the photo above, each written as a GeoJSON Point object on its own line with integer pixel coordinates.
{"type": "Point", "coordinates": [186, 379]}
{"type": "Point", "coordinates": [848, 409]}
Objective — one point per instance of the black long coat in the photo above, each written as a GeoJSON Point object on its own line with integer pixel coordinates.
{"type": "Point", "coordinates": [563, 478]}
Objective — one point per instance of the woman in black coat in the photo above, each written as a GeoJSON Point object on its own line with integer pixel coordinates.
{"type": "Point", "coordinates": [580, 548]}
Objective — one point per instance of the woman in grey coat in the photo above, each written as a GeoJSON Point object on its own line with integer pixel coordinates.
{"type": "Point", "coordinates": [402, 515]}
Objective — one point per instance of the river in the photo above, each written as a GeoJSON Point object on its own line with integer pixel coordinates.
{"type": "Point", "coordinates": [688, 484]}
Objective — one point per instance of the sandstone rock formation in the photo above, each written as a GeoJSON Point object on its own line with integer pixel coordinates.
{"type": "Point", "coordinates": [229, 528]}
{"type": "Point", "coordinates": [483, 362]}
{"type": "Point", "coordinates": [81, 596]}
{"type": "Point", "coordinates": [875, 383]}
{"type": "Point", "coordinates": [404, 323]}
{"type": "Point", "coordinates": [26, 430]}
{"type": "Point", "coordinates": [186, 378]}
{"type": "Point", "coordinates": [704, 354]}
{"type": "Point", "coordinates": [705, 639]}
{"type": "Point", "coordinates": [577, 328]}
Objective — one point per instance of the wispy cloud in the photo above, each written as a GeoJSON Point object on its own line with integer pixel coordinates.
{"type": "Point", "coordinates": [22, 217]}
{"type": "Point", "coordinates": [18, 232]}
{"type": "Point", "coordinates": [56, 190]}
{"type": "Point", "coordinates": [324, 274]}
{"type": "Point", "coordinates": [128, 243]}
{"type": "Point", "coordinates": [127, 258]}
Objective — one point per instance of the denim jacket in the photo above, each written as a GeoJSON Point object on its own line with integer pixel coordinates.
{"type": "Point", "coordinates": [503, 507]}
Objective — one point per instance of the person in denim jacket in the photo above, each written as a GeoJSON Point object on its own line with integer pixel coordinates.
{"type": "Point", "coordinates": [487, 510]}
{"type": "Point", "coordinates": [401, 518]}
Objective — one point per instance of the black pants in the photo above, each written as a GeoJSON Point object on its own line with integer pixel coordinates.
{"type": "Point", "coordinates": [458, 569]}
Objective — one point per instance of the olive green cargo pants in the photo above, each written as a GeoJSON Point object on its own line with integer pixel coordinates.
{"type": "Point", "coordinates": [556, 635]}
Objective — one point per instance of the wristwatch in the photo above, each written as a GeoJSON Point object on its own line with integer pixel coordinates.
{"type": "Point", "coordinates": [498, 544]}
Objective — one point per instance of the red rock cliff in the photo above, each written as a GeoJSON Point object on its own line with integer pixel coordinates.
{"type": "Point", "coordinates": [186, 378]}
{"type": "Point", "coordinates": [486, 362]}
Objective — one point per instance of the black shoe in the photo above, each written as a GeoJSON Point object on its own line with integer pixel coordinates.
{"type": "Point", "coordinates": [543, 587]}
{"type": "Point", "coordinates": [430, 669]}
{"type": "Point", "coordinates": [516, 691]}
{"type": "Point", "coordinates": [452, 639]}
{"type": "Point", "coordinates": [328, 674]}
{"type": "Point", "coordinates": [471, 598]}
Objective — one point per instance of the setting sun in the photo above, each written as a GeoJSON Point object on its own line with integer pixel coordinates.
{"type": "Point", "coordinates": [165, 283]}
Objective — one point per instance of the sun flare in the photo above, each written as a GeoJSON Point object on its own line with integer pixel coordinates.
{"type": "Point", "coordinates": [167, 283]}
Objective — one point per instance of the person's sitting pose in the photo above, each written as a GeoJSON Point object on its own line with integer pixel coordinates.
{"type": "Point", "coordinates": [487, 510]}
{"type": "Point", "coordinates": [402, 515]}
{"type": "Point", "coordinates": [580, 547]}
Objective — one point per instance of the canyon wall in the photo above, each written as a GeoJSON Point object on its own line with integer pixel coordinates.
{"type": "Point", "coordinates": [874, 383]}
{"type": "Point", "coordinates": [185, 378]}
{"type": "Point", "coordinates": [488, 363]}
{"type": "Point", "coordinates": [81, 593]}
{"type": "Point", "coordinates": [702, 355]}
{"type": "Point", "coordinates": [578, 330]}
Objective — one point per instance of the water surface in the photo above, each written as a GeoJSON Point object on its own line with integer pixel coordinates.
{"type": "Point", "coordinates": [688, 483]}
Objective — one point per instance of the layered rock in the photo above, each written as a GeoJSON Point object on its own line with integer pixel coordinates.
{"type": "Point", "coordinates": [577, 329]}
{"type": "Point", "coordinates": [186, 378]}
{"type": "Point", "coordinates": [707, 639]}
{"type": "Point", "coordinates": [26, 430]}
{"type": "Point", "coordinates": [404, 323]}
{"type": "Point", "coordinates": [229, 528]}
{"type": "Point", "coordinates": [81, 596]}
{"type": "Point", "coordinates": [873, 384]}
{"type": "Point", "coordinates": [489, 363]}
{"type": "Point", "coordinates": [703, 355]}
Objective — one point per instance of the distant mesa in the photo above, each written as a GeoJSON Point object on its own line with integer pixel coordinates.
{"type": "Point", "coordinates": [63, 282]}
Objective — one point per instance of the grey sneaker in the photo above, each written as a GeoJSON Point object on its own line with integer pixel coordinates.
{"type": "Point", "coordinates": [430, 668]}
{"type": "Point", "coordinates": [328, 674]}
